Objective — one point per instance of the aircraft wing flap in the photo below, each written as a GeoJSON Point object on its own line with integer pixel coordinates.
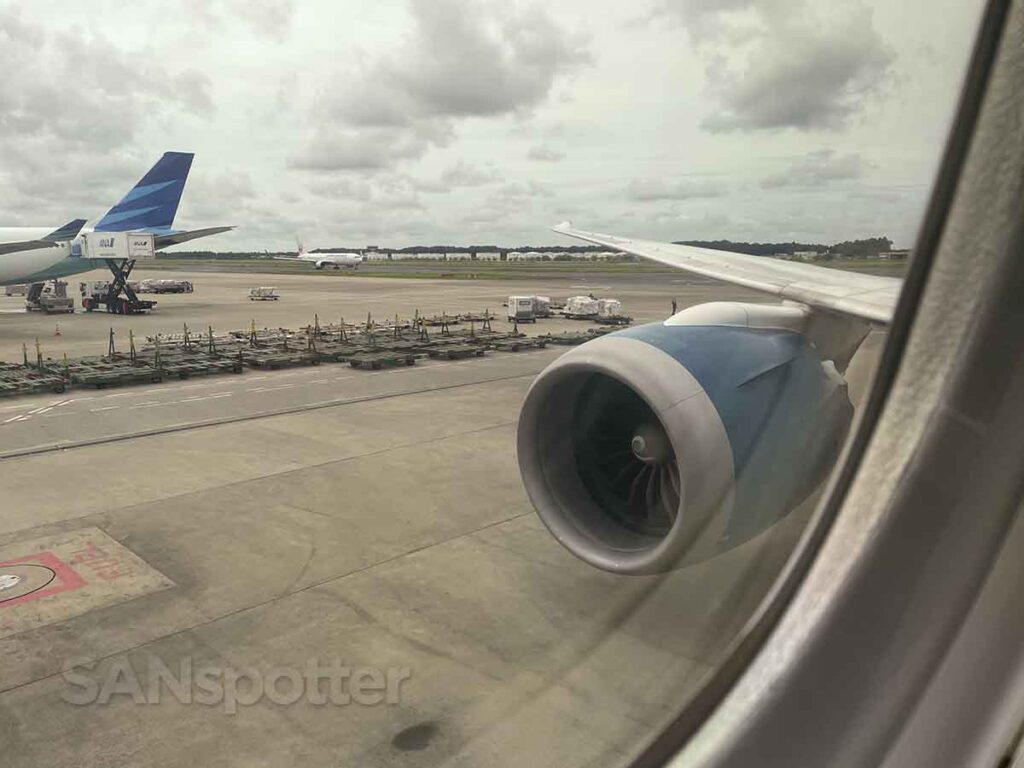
{"type": "Point", "coordinates": [870, 297]}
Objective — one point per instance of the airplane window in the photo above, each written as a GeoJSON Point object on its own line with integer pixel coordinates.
{"type": "Point", "coordinates": [324, 442]}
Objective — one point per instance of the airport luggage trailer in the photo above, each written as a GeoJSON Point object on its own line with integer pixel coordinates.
{"type": "Point", "coordinates": [613, 320]}
{"type": "Point", "coordinates": [27, 380]}
{"type": "Point", "coordinates": [272, 359]}
{"type": "Point", "coordinates": [377, 360]}
{"type": "Point", "coordinates": [186, 366]}
{"type": "Point", "coordinates": [103, 372]}
{"type": "Point", "coordinates": [338, 352]}
{"type": "Point", "coordinates": [457, 351]}
{"type": "Point", "coordinates": [568, 338]}
{"type": "Point", "coordinates": [522, 344]}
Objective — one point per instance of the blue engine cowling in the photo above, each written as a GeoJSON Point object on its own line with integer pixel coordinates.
{"type": "Point", "coordinates": [663, 445]}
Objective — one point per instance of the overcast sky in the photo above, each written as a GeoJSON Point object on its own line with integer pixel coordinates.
{"type": "Point", "coordinates": [472, 121]}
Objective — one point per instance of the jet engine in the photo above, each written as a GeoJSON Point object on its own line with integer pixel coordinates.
{"type": "Point", "coordinates": [666, 444]}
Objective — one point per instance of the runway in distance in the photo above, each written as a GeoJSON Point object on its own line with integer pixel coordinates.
{"type": "Point", "coordinates": [339, 260]}
{"type": "Point", "coordinates": [743, 405]}
{"type": "Point", "coordinates": [37, 254]}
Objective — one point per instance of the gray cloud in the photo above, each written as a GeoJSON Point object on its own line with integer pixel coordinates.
{"type": "Point", "coordinates": [545, 154]}
{"type": "Point", "coordinates": [368, 149]}
{"type": "Point", "coordinates": [462, 174]}
{"type": "Point", "coordinates": [84, 90]}
{"type": "Point", "coordinates": [462, 59]}
{"type": "Point", "coordinates": [777, 65]}
{"type": "Point", "coordinates": [72, 105]}
{"type": "Point", "coordinates": [271, 19]}
{"type": "Point", "coordinates": [817, 169]}
{"type": "Point", "coordinates": [649, 190]}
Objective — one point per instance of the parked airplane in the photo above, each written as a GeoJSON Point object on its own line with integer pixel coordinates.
{"type": "Point", "coordinates": [742, 405]}
{"type": "Point", "coordinates": [346, 259]}
{"type": "Point", "coordinates": [36, 254]}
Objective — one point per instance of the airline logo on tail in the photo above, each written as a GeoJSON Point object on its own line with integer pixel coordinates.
{"type": "Point", "coordinates": [152, 203]}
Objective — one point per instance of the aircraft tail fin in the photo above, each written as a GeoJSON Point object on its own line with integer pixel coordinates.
{"type": "Point", "coordinates": [68, 232]}
{"type": "Point", "coordinates": [152, 203]}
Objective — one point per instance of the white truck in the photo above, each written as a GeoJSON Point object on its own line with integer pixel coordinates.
{"type": "Point", "coordinates": [521, 309]}
{"type": "Point", "coordinates": [263, 293]}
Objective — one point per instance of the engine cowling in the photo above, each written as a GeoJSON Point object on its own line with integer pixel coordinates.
{"type": "Point", "coordinates": [663, 445]}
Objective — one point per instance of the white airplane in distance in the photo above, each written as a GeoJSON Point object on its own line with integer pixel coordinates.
{"type": "Point", "coordinates": [37, 254]}
{"type": "Point", "coordinates": [742, 405]}
{"type": "Point", "coordinates": [346, 259]}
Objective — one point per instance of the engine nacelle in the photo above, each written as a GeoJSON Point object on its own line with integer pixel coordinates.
{"type": "Point", "coordinates": [667, 444]}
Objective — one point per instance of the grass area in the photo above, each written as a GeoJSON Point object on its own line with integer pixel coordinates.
{"type": "Point", "coordinates": [456, 270]}
{"type": "Point", "coordinates": [474, 270]}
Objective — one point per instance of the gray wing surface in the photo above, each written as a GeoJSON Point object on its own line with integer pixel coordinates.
{"type": "Point", "coordinates": [870, 297]}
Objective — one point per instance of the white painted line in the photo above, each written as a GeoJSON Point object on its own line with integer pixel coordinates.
{"type": "Point", "coordinates": [205, 397]}
{"type": "Point", "coordinates": [44, 410]}
{"type": "Point", "coordinates": [108, 408]}
{"type": "Point", "coordinates": [14, 418]}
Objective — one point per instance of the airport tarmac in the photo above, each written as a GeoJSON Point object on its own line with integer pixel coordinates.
{"type": "Point", "coordinates": [265, 521]}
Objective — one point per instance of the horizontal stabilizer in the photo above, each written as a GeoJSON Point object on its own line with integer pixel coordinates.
{"type": "Point", "coordinates": [60, 235]}
{"type": "Point", "coordinates": [68, 232]}
{"type": "Point", "coordinates": [163, 241]}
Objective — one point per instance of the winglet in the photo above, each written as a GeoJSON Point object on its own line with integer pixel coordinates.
{"type": "Point", "coordinates": [68, 232]}
{"type": "Point", "coordinates": [152, 203]}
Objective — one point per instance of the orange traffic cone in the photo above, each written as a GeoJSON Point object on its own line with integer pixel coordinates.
{"type": "Point", "coordinates": [56, 331]}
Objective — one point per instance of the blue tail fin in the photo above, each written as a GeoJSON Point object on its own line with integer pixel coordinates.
{"type": "Point", "coordinates": [68, 232]}
{"type": "Point", "coordinates": [152, 203]}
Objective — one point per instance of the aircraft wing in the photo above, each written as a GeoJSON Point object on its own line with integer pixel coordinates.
{"type": "Point", "coordinates": [870, 297]}
{"type": "Point", "coordinates": [174, 238]}
{"type": "Point", "coordinates": [25, 245]}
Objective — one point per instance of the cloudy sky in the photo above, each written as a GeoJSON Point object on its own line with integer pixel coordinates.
{"type": "Point", "coordinates": [398, 122]}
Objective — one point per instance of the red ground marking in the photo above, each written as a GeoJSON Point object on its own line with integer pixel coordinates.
{"type": "Point", "coordinates": [66, 579]}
